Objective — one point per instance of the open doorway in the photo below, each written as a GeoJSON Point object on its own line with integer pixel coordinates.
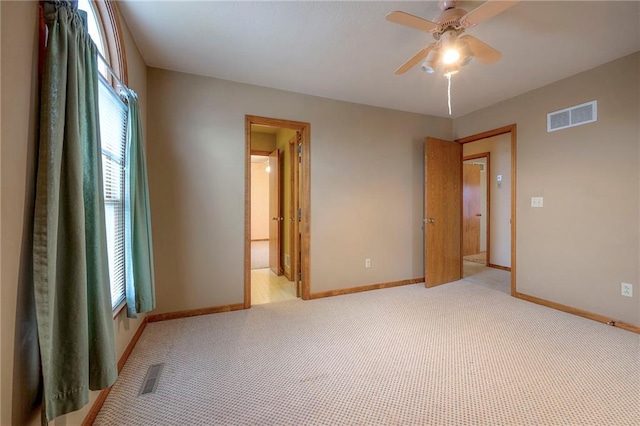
{"type": "Point", "coordinates": [488, 209]}
{"type": "Point", "coordinates": [475, 207]}
{"type": "Point", "coordinates": [276, 211]}
{"type": "Point", "coordinates": [443, 198]}
{"type": "Point", "coordinates": [268, 282]}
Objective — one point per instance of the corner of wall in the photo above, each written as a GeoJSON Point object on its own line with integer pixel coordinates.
{"type": "Point", "coordinates": [560, 252]}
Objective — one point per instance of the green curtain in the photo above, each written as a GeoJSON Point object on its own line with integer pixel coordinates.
{"type": "Point", "coordinates": [141, 294]}
{"type": "Point", "coordinates": [71, 274]}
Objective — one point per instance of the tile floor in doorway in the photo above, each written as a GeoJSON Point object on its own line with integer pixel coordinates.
{"type": "Point", "coordinates": [267, 287]}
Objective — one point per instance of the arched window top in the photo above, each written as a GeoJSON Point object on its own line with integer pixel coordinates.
{"type": "Point", "coordinates": [94, 26]}
{"type": "Point", "coordinates": [104, 28]}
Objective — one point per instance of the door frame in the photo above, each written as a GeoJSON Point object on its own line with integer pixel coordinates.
{"type": "Point", "coordinates": [486, 155]}
{"type": "Point", "coordinates": [514, 137]}
{"type": "Point", "coordinates": [304, 225]}
{"type": "Point", "coordinates": [294, 189]}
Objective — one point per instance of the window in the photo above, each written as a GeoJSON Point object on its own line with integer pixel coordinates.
{"type": "Point", "coordinates": [95, 31]}
{"type": "Point", "coordinates": [113, 131]}
{"type": "Point", "coordinates": [104, 27]}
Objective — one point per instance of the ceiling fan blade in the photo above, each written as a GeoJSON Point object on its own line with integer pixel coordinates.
{"type": "Point", "coordinates": [487, 10]}
{"type": "Point", "coordinates": [412, 61]}
{"type": "Point", "coordinates": [482, 51]}
{"type": "Point", "coordinates": [412, 21]}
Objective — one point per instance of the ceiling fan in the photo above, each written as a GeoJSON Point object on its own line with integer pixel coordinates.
{"type": "Point", "coordinates": [452, 48]}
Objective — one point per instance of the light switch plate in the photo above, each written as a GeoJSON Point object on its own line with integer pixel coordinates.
{"type": "Point", "coordinates": [537, 201]}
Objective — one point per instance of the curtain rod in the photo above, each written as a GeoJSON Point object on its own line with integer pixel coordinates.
{"type": "Point", "coordinates": [112, 72]}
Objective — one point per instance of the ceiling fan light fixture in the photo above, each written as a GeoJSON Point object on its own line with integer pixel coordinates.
{"type": "Point", "coordinates": [450, 56]}
{"type": "Point", "coordinates": [429, 67]}
{"type": "Point", "coordinates": [431, 63]}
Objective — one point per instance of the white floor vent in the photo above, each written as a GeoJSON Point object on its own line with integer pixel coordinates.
{"type": "Point", "coordinates": [150, 382]}
{"type": "Point", "coordinates": [573, 116]}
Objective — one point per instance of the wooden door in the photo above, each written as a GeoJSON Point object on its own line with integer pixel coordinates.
{"type": "Point", "coordinates": [274, 212]}
{"type": "Point", "coordinates": [294, 234]}
{"type": "Point", "coordinates": [442, 183]}
{"type": "Point", "coordinates": [471, 212]}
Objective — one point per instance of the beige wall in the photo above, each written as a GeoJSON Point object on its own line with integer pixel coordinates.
{"type": "Point", "coordinates": [19, 117]}
{"type": "Point", "coordinates": [583, 243]}
{"type": "Point", "coordinates": [259, 201]}
{"type": "Point", "coordinates": [19, 109]}
{"type": "Point", "coordinates": [500, 208]}
{"type": "Point", "coordinates": [265, 142]}
{"type": "Point", "coordinates": [366, 187]}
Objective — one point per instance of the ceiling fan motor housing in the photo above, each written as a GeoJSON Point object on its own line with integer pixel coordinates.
{"type": "Point", "coordinates": [447, 4]}
{"type": "Point", "coordinates": [449, 20]}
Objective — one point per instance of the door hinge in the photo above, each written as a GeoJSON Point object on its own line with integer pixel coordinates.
{"type": "Point", "coordinates": [299, 213]}
{"type": "Point", "coordinates": [299, 276]}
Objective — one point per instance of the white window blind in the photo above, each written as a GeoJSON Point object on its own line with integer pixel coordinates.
{"type": "Point", "coordinates": [113, 132]}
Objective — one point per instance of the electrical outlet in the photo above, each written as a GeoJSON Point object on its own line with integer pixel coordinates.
{"type": "Point", "coordinates": [627, 289]}
{"type": "Point", "coordinates": [537, 201]}
{"type": "Point", "coordinates": [367, 263]}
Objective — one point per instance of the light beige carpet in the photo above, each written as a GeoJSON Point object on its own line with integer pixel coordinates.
{"type": "Point", "coordinates": [457, 354]}
{"type": "Point", "coordinates": [491, 278]}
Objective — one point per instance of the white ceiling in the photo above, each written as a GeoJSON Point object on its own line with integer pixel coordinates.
{"type": "Point", "coordinates": [348, 51]}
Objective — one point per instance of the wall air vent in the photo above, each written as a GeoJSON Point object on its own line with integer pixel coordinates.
{"type": "Point", "coordinates": [573, 116]}
{"type": "Point", "coordinates": [477, 163]}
